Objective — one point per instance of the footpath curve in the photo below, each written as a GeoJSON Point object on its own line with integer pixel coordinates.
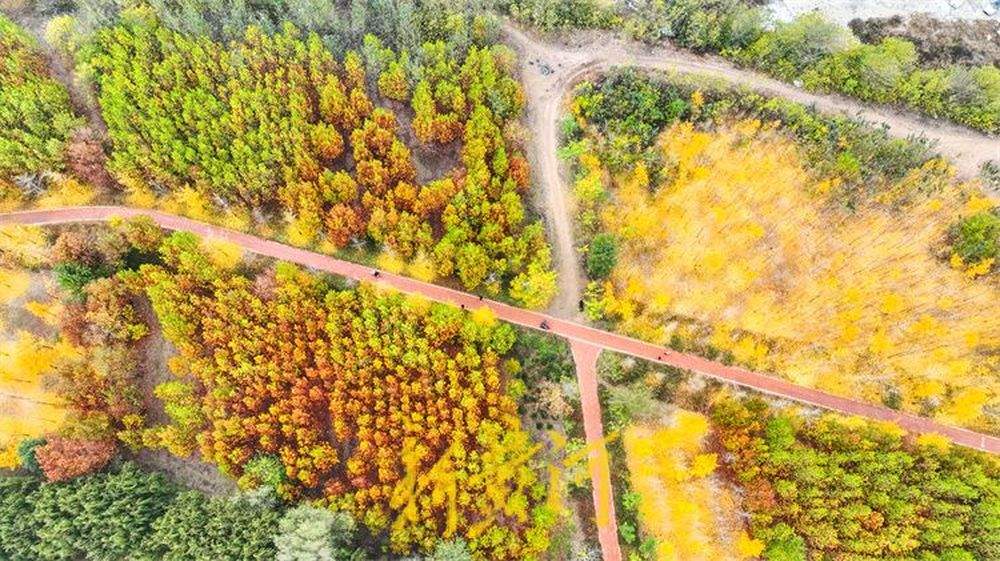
{"type": "Point", "coordinates": [570, 330]}
{"type": "Point", "coordinates": [549, 70]}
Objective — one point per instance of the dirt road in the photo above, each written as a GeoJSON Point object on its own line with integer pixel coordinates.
{"type": "Point", "coordinates": [550, 70]}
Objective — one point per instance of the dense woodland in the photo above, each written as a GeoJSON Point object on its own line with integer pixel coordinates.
{"type": "Point", "coordinates": [290, 382]}
{"type": "Point", "coordinates": [331, 382]}
{"type": "Point", "coordinates": [834, 487]}
{"type": "Point", "coordinates": [36, 120]}
{"type": "Point", "coordinates": [273, 131]}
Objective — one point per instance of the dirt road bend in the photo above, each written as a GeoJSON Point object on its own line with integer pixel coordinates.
{"type": "Point", "coordinates": [549, 71]}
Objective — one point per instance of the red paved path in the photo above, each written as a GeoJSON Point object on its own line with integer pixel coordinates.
{"type": "Point", "coordinates": [568, 329]}
{"type": "Point", "coordinates": [585, 356]}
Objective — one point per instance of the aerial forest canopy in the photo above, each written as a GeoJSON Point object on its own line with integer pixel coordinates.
{"type": "Point", "coordinates": [831, 487]}
{"type": "Point", "coordinates": [36, 119]}
{"type": "Point", "coordinates": [383, 405]}
{"type": "Point", "coordinates": [275, 125]}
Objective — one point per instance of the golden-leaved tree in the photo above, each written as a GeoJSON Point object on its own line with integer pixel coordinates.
{"type": "Point", "coordinates": [691, 516]}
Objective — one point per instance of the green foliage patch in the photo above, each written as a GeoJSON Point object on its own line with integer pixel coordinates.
{"type": "Point", "coordinates": [977, 238]}
{"type": "Point", "coordinates": [36, 119]}
{"type": "Point", "coordinates": [857, 490]}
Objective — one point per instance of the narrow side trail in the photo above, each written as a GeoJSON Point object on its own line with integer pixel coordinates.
{"type": "Point", "coordinates": [549, 71]}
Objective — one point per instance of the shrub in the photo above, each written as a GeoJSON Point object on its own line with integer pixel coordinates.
{"type": "Point", "coordinates": [630, 404]}
{"type": "Point", "coordinates": [977, 238]}
{"type": "Point", "coordinates": [65, 458]}
{"type": "Point", "coordinates": [602, 256]}
{"type": "Point", "coordinates": [306, 533]}
{"type": "Point", "coordinates": [627, 103]}
{"type": "Point", "coordinates": [264, 470]}
{"type": "Point", "coordinates": [543, 357]}
{"type": "Point", "coordinates": [797, 45]}
{"type": "Point", "coordinates": [871, 72]}
{"type": "Point", "coordinates": [451, 550]}
{"type": "Point", "coordinates": [74, 277]}
{"type": "Point", "coordinates": [560, 14]}
{"type": "Point", "coordinates": [27, 455]}
{"type": "Point", "coordinates": [701, 25]}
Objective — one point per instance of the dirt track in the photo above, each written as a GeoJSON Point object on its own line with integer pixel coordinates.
{"type": "Point", "coordinates": [550, 70]}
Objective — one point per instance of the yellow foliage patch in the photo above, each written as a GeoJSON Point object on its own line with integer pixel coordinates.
{"type": "Point", "coordinates": [13, 284]}
{"type": "Point", "coordinates": [224, 254]}
{"type": "Point", "coordinates": [934, 440]}
{"type": "Point", "coordinates": [422, 268]}
{"type": "Point", "coordinates": [390, 261]}
{"type": "Point", "coordinates": [977, 204]}
{"type": "Point", "coordinates": [26, 408]}
{"type": "Point", "coordinates": [48, 312]}
{"type": "Point", "coordinates": [188, 202]}
{"type": "Point", "coordinates": [140, 196]}
{"type": "Point", "coordinates": [302, 231]}
{"type": "Point", "coordinates": [67, 192]}
{"type": "Point", "coordinates": [758, 262]}
{"type": "Point", "coordinates": [747, 547]}
{"type": "Point", "coordinates": [25, 245]}
{"type": "Point", "coordinates": [681, 504]}
{"type": "Point", "coordinates": [484, 316]}
{"type": "Point", "coordinates": [8, 453]}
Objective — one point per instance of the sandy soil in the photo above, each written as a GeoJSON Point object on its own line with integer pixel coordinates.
{"type": "Point", "coordinates": [844, 11]}
{"type": "Point", "coordinates": [549, 70]}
